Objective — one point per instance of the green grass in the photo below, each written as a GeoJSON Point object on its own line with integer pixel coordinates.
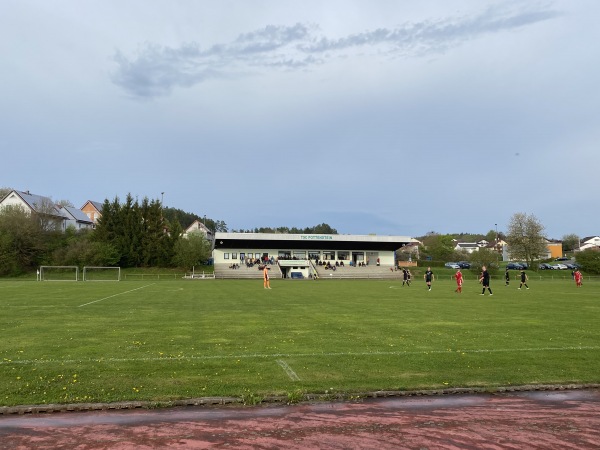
{"type": "Point", "coordinates": [66, 342]}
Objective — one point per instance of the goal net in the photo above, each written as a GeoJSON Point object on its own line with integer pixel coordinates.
{"type": "Point", "coordinates": [58, 273]}
{"type": "Point", "coordinates": [92, 273]}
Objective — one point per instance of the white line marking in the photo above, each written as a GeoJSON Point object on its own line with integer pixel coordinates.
{"type": "Point", "coordinates": [111, 296]}
{"type": "Point", "coordinates": [288, 370]}
{"type": "Point", "coordinates": [6, 361]}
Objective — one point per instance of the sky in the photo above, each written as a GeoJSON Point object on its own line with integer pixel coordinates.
{"type": "Point", "coordinates": [374, 116]}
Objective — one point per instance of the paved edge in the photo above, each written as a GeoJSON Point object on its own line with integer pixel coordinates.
{"type": "Point", "coordinates": [284, 400]}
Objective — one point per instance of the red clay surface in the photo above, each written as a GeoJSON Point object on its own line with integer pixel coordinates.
{"type": "Point", "coordinates": [523, 420]}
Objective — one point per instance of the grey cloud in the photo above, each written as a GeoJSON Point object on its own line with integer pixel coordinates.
{"type": "Point", "coordinates": [432, 36]}
{"type": "Point", "coordinates": [155, 71]}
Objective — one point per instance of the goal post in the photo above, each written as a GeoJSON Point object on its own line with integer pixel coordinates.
{"type": "Point", "coordinates": [58, 273]}
{"type": "Point", "coordinates": [96, 273]}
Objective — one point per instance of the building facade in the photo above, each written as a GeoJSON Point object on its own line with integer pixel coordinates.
{"type": "Point", "coordinates": [296, 252]}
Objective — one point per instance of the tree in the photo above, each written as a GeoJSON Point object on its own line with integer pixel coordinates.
{"type": "Point", "coordinates": [4, 191]}
{"type": "Point", "coordinates": [191, 251]}
{"type": "Point", "coordinates": [154, 240]}
{"type": "Point", "coordinates": [64, 203]}
{"type": "Point", "coordinates": [525, 238]}
{"type": "Point", "coordinates": [484, 257]}
{"type": "Point", "coordinates": [138, 232]}
{"type": "Point", "coordinates": [323, 229]}
{"type": "Point", "coordinates": [491, 236]}
{"type": "Point", "coordinates": [48, 216]}
{"type": "Point", "coordinates": [589, 260]}
{"type": "Point", "coordinates": [570, 242]}
{"type": "Point", "coordinates": [81, 250]}
{"type": "Point", "coordinates": [439, 247]}
{"type": "Point", "coordinates": [21, 241]}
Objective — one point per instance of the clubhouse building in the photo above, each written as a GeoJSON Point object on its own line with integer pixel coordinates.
{"type": "Point", "coordinates": [302, 253]}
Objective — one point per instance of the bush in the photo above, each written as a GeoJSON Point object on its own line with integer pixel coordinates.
{"type": "Point", "coordinates": [589, 260]}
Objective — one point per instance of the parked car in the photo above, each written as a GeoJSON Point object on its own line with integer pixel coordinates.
{"type": "Point", "coordinates": [560, 266]}
{"type": "Point", "coordinates": [464, 264]}
{"type": "Point", "coordinates": [562, 258]}
{"type": "Point", "coordinates": [452, 265]}
{"type": "Point", "coordinates": [515, 266]}
{"type": "Point", "coordinates": [546, 266]}
{"type": "Point", "coordinates": [573, 266]}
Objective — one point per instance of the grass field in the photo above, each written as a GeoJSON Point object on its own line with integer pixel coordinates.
{"type": "Point", "coordinates": [65, 342]}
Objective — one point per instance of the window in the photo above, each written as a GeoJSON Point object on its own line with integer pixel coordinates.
{"type": "Point", "coordinates": [328, 256]}
{"type": "Point", "coordinates": [225, 255]}
{"type": "Point", "coordinates": [343, 255]}
{"type": "Point", "coordinates": [234, 256]}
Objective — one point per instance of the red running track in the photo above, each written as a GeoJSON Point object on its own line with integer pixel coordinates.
{"type": "Point", "coordinates": [522, 420]}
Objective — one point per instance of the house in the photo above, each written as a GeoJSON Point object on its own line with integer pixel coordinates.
{"type": "Point", "coordinates": [51, 215]}
{"type": "Point", "coordinates": [199, 227]}
{"type": "Point", "coordinates": [589, 242]}
{"type": "Point", "coordinates": [76, 218]}
{"type": "Point", "coordinates": [471, 247]}
{"type": "Point", "coordinates": [553, 250]}
{"type": "Point", "coordinates": [51, 218]}
{"type": "Point", "coordinates": [93, 210]}
{"type": "Point", "coordinates": [468, 247]}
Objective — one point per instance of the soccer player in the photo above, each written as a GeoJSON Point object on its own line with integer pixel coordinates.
{"type": "Point", "coordinates": [506, 278]}
{"type": "Point", "coordinates": [578, 277]}
{"type": "Point", "coordinates": [459, 281]}
{"type": "Point", "coordinates": [429, 277]}
{"type": "Point", "coordinates": [524, 279]}
{"type": "Point", "coordinates": [485, 281]}
{"type": "Point", "coordinates": [405, 277]}
{"type": "Point", "coordinates": [266, 281]}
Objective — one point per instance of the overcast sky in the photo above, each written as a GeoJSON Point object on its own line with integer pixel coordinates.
{"type": "Point", "coordinates": [375, 116]}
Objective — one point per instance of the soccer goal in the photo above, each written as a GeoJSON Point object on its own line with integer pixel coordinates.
{"type": "Point", "coordinates": [58, 273]}
{"type": "Point", "coordinates": [93, 273]}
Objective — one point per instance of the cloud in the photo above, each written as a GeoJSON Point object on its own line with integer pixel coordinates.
{"type": "Point", "coordinates": [155, 70]}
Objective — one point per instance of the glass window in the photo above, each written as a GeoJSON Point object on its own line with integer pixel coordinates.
{"type": "Point", "coordinates": [328, 255]}
{"type": "Point", "coordinates": [225, 255]}
{"type": "Point", "coordinates": [234, 256]}
{"type": "Point", "coordinates": [343, 255]}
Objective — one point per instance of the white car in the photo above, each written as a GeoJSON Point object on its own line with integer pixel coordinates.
{"type": "Point", "coordinates": [560, 267]}
{"type": "Point", "coordinates": [452, 265]}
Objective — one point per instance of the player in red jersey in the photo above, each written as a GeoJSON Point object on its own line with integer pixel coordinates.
{"type": "Point", "coordinates": [577, 276]}
{"type": "Point", "coordinates": [459, 281]}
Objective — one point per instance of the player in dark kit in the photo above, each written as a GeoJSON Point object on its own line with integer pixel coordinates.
{"type": "Point", "coordinates": [524, 279]}
{"type": "Point", "coordinates": [485, 281]}
{"type": "Point", "coordinates": [429, 277]}
{"type": "Point", "coordinates": [506, 278]}
{"type": "Point", "coordinates": [405, 277]}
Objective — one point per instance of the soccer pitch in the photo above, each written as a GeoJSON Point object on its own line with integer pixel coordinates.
{"type": "Point", "coordinates": [69, 342]}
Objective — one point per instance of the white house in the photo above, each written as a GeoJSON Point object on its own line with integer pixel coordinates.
{"type": "Point", "coordinates": [43, 207]}
{"type": "Point", "coordinates": [52, 216]}
{"type": "Point", "coordinates": [468, 247]}
{"type": "Point", "coordinates": [76, 218]}
{"type": "Point", "coordinates": [589, 242]}
{"type": "Point", "coordinates": [199, 227]}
